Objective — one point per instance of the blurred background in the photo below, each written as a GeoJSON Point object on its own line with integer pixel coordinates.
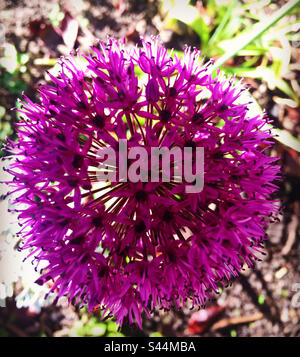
{"type": "Point", "coordinates": [264, 301]}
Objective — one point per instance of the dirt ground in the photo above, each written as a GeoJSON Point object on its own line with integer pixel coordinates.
{"type": "Point", "coordinates": [263, 301]}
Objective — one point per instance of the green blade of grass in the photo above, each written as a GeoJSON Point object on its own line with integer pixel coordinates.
{"type": "Point", "coordinates": [266, 73]}
{"type": "Point", "coordinates": [285, 138]}
{"type": "Point", "coordinates": [222, 24]}
{"type": "Point", "coordinates": [245, 38]}
{"type": "Point", "coordinates": [285, 88]}
{"type": "Point", "coordinates": [281, 135]}
{"type": "Point", "coordinates": [45, 61]}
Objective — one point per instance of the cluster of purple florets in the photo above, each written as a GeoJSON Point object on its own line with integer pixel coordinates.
{"type": "Point", "coordinates": [128, 247]}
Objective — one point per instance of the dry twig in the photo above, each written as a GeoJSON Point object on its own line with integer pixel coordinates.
{"type": "Point", "coordinates": [236, 321]}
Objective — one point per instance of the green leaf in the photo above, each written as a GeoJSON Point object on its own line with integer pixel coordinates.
{"type": "Point", "coordinates": [223, 23]}
{"type": "Point", "coordinates": [243, 72]}
{"type": "Point", "coordinates": [233, 27]}
{"type": "Point", "coordinates": [45, 61]}
{"type": "Point", "coordinates": [115, 334]}
{"type": "Point", "coordinates": [251, 50]}
{"type": "Point", "coordinates": [250, 62]}
{"type": "Point", "coordinates": [284, 137]}
{"type": "Point", "coordinates": [156, 334]}
{"type": "Point", "coordinates": [190, 16]}
{"type": "Point", "coordinates": [247, 37]}
{"type": "Point", "coordinates": [233, 333]}
{"type": "Point", "coordinates": [23, 58]}
{"type": "Point", "coordinates": [248, 51]}
{"type": "Point", "coordinates": [112, 326]}
{"type": "Point", "coordinates": [261, 299]}
{"type": "Point", "coordinates": [281, 135]}
{"type": "Point", "coordinates": [220, 123]}
{"type": "Point", "coordinates": [285, 88]}
{"type": "Point", "coordinates": [201, 29]}
{"type": "Point", "coordinates": [5, 130]}
{"type": "Point", "coordinates": [98, 329]}
{"type": "Point", "coordinates": [9, 60]}
{"type": "Point", "coordinates": [267, 74]}
{"type": "Point", "coordinates": [2, 111]}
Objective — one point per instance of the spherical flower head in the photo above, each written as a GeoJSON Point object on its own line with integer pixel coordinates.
{"type": "Point", "coordinates": [128, 246]}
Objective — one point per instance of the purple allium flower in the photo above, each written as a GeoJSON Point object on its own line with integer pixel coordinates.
{"type": "Point", "coordinates": [129, 247]}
